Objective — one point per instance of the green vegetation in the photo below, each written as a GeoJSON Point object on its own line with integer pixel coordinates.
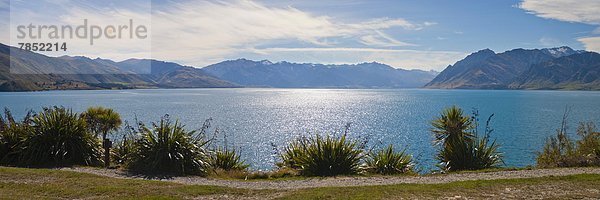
{"type": "Point", "coordinates": [226, 159]}
{"type": "Point", "coordinates": [562, 187]}
{"type": "Point", "coordinates": [388, 161]}
{"type": "Point", "coordinates": [589, 145]}
{"type": "Point", "coordinates": [12, 136]}
{"type": "Point", "coordinates": [276, 175]}
{"type": "Point", "coordinates": [461, 148]}
{"type": "Point", "coordinates": [21, 183]}
{"type": "Point", "coordinates": [323, 156]}
{"type": "Point", "coordinates": [561, 151]}
{"type": "Point", "coordinates": [103, 121]}
{"type": "Point", "coordinates": [168, 148]}
{"type": "Point", "coordinates": [59, 137]}
{"type": "Point", "coordinates": [122, 150]}
{"type": "Point", "coordinates": [54, 137]}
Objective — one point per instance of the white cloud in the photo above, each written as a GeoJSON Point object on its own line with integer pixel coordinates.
{"type": "Point", "coordinates": [429, 23]}
{"type": "Point", "coordinates": [407, 59]}
{"type": "Point", "coordinates": [381, 39]}
{"type": "Point", "coordinates": [582, 11]}
{"type": "Point", "coordinates": [591, 43]}
{"type": "Point", "coordinates": [220, 29]}
{"type": "Point", "coordinates": [198, 32]}
{"type": "Point", "coordinates": [52, 14]}
{"type": "Point", "coordinates": [550, 42]}
{"type": "Point", "coordinates": [384, 23]}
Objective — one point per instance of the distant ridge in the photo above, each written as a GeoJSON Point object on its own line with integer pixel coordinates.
{"type": "Point", "coordinates": [579, 71]}
{"type": "Point", "coordinates": [551, 68]}
{"type": "Point", "coordinates": [39, 72]}
{"type": "Point", "coordinates": [307, 75]}
{"type": "Point", "coordinates": [77, 72]}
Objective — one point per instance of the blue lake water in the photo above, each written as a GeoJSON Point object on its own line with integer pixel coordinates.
{"type": "Point", "coordinates": [253, 119]}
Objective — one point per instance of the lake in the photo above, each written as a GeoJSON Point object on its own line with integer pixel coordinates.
{"type": "Point", "coordinates": [256, 119]}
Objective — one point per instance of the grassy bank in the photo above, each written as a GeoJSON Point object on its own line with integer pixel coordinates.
{"type": "Point", "coordinates": [18, 183]}
{"type": "Point", "coordinates": [577, 186]}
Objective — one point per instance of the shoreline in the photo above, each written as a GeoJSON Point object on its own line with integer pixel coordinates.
{"type": "Point", "coordinates": [311, 88]}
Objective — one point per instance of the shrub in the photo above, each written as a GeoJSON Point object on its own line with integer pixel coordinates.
{"type": "Point", "coordinates": [59, 137]}
{"type": "Point", "coordinates": [561, 151]}
{"type": "Point", "coordinates": [12, 136]}
{"type": "Point", "coordinates": [168, 148]}
{"type": "Point", "coordinates": [292, 153]}
{"type": "Point", "coordinates": [122, 150]}
{"type": "Point", "coordinates": [323, 156]}
{"type": "Point", "coordinates": [226, 159]}
{"type": "Point", "coordinates": [589, 145]}
{"type": "Point", "coordinates": [485, 154]}
{"type": "Point", "coordinates": [388, 161]}
{"type": "Point", "coordinates": [461, 147]}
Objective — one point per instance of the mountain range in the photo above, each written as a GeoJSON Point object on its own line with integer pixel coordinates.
{"type": "Point", "coordinates": [551, 68]}
{"type": "Point", "coordinates": [32, 71]}
{"type": "Point", "coordinates": [306, 75]}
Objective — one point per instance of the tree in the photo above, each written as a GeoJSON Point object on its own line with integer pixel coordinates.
{"type": "Point", "coordinates": [103, 121]}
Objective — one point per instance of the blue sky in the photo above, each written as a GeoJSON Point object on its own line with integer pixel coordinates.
{"type": "Point", "coordinates": [407, 34]}
{"type": "Point", "coordinates": [459, 25]}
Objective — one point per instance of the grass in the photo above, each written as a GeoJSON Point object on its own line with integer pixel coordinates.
{"type": "Point", "coordinates": [274, 175]}
{"type": "Point", "coordinates": [497, 169]}
{"type": "Point", "coordinates": [576, 186]}
{"type": "Point", "coordinates": [21, 183]}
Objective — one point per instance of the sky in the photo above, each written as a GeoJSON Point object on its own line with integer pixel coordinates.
{"type": "Point", "coordinates": [427, 35]}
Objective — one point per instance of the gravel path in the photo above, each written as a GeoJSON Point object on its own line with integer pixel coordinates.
{"type": "Point", "coordinates": [350, 181]}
